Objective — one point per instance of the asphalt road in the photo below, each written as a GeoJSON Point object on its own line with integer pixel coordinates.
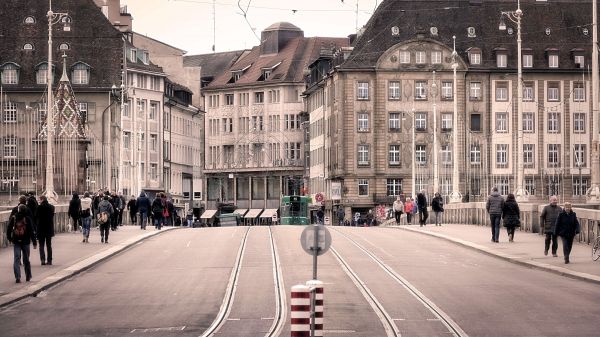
{"type": "Point", "coordinates": [173, 285]}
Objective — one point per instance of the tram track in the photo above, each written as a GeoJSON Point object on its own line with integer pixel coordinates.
{"type": "Point", "coordinates": [232, 287]}
{"type": "Point", "coordinates": [388, 322]}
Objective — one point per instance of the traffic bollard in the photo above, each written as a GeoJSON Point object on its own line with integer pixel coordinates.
{"type": "Point", "coordinates": [300, 311]}
{"type": "Point", "coordinates": [318, 288]}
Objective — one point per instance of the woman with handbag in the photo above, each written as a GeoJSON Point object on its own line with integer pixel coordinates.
{"type": "Point", "coordinates": [511, 216]}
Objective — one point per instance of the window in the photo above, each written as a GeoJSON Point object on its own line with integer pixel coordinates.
{"type": "Point", "coordinates": [553, 61]}
{"type": "Point", "coordinates": [227, 125]}
{"type": "Point", "coordinates": [475, 58]}
{"type": "Point", "coordinates": [553, 155]}
{"type": "Point", "coordinates": [141, 107]}
{"type": "Point", "coordinates": [578, 122]}
{"type": "Point", "coordinates": [394, 90]}
{"type": "Point", "coordinates": [41, 75]}
{"type": "Point", "coordinates": [81, 73]}
{"type": "Point", "coordinates": [228, 99]}
{"type": "Point", "coordinates": [436, 57]}
{"type": "Point", "coordinates": [266, 73]}
{"type": "Point", "coordinates": [394, 187]}
{"type": "Point", "coordinates": [420, 184]}
{"type": "Point", "coordinates": [133, 55]}
{"type": "Point", "coordinates": [475, 91]}
{"type": "Point", "coordinates": [363, 121]}
{"type": "Point", "coordinates": [501, 91]}
{"type": "Point", "coordinates": [528, 122]}
{"type": "Point", "coordinates": [126, 140]}
{"type": "Point", "coordinates": [420, 90]}
{"type": "Point", "coordinates": [580, 185]}
{"type": "Point", "coordinates": [291, 121]}
{"type": "Point", "coordinates": [420, 57]}
{"type": "Point", "coordinates": [153, 171]}
{"type": "Point", "coordinates": [394, 155]}
{"type": "Point", "coordinates": [528, 155]}
{"type": "Point", "coordinates": [554, 122]}
{"type": "Point", "coordinates": [501, 122]}
{"type": "Point", "coordinates": [447, 90]}
{"type": "Point", "coordinates": [394, 121]}
{"type": "Point", "coordinates": [475, 184]}
{"type": "Point", "coordinates": [530, 186]}
{"type": "Point", "coordinates": [153, 142]}
{"type": "Point", "coordinates": [363, 187]}
{"type": "Point", "coordinates": [292, 150]}
{"type": "Point", "coordinates": [153, 111]}
{"type": "Point", "coordinates": [405, 57]}
{"type": "Point", "coordinates": [10, 147]}
{"type": "Point", "coordinates": [553, 91]}
{"type": "Point", "coordinates": [579, 155]}
{"type": "Point", "coordinates": [64, 46]}
{"type": "Point", "coordinates": [421, 121]}
{"type": "Point", "coordinates": [501, 60]}
{"type": "Point", "coordinates": [420, 155]}
{"type": "Point", "coordinates": [501, 155]}
{"type": "Point", "coordinates": [447, 122]}
{"type": "Point", "coordinates": [475, 154]}
{"type": "Point", "coordinates": [528, 92]}
{"type": "Point", "coordinates": [274, 96]}
{"type": "Point", "coordinates": [259, 97]}
{"type": "Point", "coordinates": [10, 112]}
{"type": "Point", "coordinates": [29, 20]}
{"type": "Point", "coordinates": [363, 91]}
{"type": "Point", "coordinates": [83, 112]}
{"type": "Point", "coordinates": [363, 154]}
{"type": "Point", "coordinates": [10, 74]}
{"type": "Point", "coordinates": [244, 98]}
{"type": "Point", "coordinates": [475, 122]}
{"type": "Point", "coordinates": [257, 123]}
{"type": "Point", "coordinates": [579, 61]}
{"type": "Point", "coordinates": [578, 92]}
{"type": "Point", "coordinates": [527, 61]}
{"type": "Point", "coordinates": [446, 152]}
{"type": "Point", "coordinates": [502, 184]}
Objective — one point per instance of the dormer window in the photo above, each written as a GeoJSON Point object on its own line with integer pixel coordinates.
{"type": "Point", "coordinates": [267, 71]}
{"type": "Point", "coordinates": [552, 57]}
{"type": "Point", "coordinates": [237, 74]}
{"type": "Point", "coordinates": [145, 57]}
{"type": "Point", "coordinates": [28, 46]}
{"type": "Point", "coordinates": [41, 73]}
{"type": "Point", "coordinates": [501, 57]}
{"type": "Point", "coordinates": [81, 73]}
{"type": "Point", "coordinates": [133, 55]}
{"type": "Point", "coordinates": [30, 20]}
{"type": "Point", "coordinates": [527, 61]}
{"type": "Point", "coordinates": [579, 61]}
{"type": "Point", "coordinates": [474, 56]}
{"type": "Point", "coordinates": [64, 46]}
{"type": "Point", "coordinates": [10, 73]}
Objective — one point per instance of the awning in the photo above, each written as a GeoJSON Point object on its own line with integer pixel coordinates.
{"type": "Point", "coordinates": [253, 213]}
{"type": "Point", "coordinates": [209, 213]}
{"type": "Point", "coordinates": [268, 213]}
{"type": "Point", "coordinates": [241, 211]}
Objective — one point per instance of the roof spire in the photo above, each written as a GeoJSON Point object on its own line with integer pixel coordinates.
{"type": "Point", "coordinates": [64, 77]}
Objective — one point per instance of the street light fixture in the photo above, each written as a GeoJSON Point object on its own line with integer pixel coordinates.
{"type": "Point", "coordinates": [515, 17]}
{"type": "Point", "coordinates": [455, 196]}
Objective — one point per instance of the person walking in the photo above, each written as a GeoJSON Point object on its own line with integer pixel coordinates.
{"type": "Point", "coordinates": [115, 201]}
{"type": "Point", "coordinates": [494, 206]}
{"type": "Point", "coordinates": [422, 208]}
{"type": "Point", "coordinates": [567, 226]}
{"type": "Point", "coordinates": [341, 214]}
{"type": "Point", "coordinates": [44, 218]}
{"type": "Point", "coordinates": [511, 216]}
{"type": "Point", "coordinates": [32, 203]}
{"type": "Point", "coordinates": [190, 217]}
{"type": "Point", "coordinates": [143, 205]}
{"type": "Point", "coordinates": [369, 218]}
{"type": "Point", "coordinates": [437, 206]}
{"type": "Point", "coordinates": [548, 220]}
{"type": "Point", "coordinates": [132, 208]}
{"type": "Point", "coordinates": [105, 213]}
{"type": "Point", "coordinates": [122, 205]}
{"type": "Point", "coordinates": [398, 208]}
{"type": "Point", "coordinates": [74, 211]}
{"type": "Point", "coordinates": [86, 216]}
{"type": "Point", "coordinates": [409, 205]}
{"type": "Point", "coordinates": [157, 211]}
{"type": "Point", "coordinates": [21, 233]}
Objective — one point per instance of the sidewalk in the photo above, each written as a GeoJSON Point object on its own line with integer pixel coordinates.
{"type": "Point", "coordinates": [69, 257]}
{"type": "Point", "coordinates": [527, 249]}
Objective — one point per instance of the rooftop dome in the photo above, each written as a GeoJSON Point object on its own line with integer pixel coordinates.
{"type": "Point", "coordinates": [282, 26]}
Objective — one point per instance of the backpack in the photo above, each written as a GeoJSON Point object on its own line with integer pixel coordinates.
{"type": "Point", "coordinates": [102, 218]}
{"type": "Point", "coordinates": [20, 228]}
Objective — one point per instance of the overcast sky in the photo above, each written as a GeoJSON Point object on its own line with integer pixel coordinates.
{"type": "Point", "coordinates": [188, 24]}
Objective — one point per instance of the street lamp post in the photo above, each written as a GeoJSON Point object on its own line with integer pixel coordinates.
{"type": "Point", "coordinates": [593, 194]}
{"type": "Point", "coordinates": [53, 18]}
{"type": "Point", "coordinates": [435, 129]}
{"type": "Point", "coordinates": [455, 196]}
{"type": "Point", "coordinates": [515, 17]}
{"type": "Point", "coordinates": [414, 158]}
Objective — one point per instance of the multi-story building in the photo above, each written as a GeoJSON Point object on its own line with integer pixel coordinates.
{"type": "Point", "coordinates": [94, 69]}
{"type": "Point", "coordinates": [389, 122]}
{"type": "Point", "coordinates": [254, 122]}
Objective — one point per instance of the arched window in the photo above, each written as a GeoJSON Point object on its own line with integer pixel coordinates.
{"type": "Point", "coordinates": [64, 46]}
{"type": "Point", "coordinates": [30, 20]}
{"type": "Point", "coordinates": [28, 46]}
{"type": "Point", "coordinates": [41, 73]}
{"type": "Point", "coordinates": [10, 73]}
{"type": "Point", "coordinates": [81, 73]}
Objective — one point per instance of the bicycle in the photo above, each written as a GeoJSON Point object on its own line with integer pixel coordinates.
{"type": "Point", "coordinates": [596, 249]}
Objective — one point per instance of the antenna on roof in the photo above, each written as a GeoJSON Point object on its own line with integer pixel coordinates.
{"type": "Point", "coordinates": [214, 28]}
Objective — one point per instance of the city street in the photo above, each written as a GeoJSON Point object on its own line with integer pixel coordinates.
{"type": "Point", "coordinates": [379, 281]}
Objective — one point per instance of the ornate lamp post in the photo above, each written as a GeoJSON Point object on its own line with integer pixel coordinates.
{"type": "Point", "coordinates": [455, 196]}
{"type": "Point", "coordinates": [593, 194]}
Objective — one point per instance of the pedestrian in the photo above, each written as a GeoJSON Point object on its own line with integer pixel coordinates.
{"type": "Point", "coordinates": [133, 209]}
{"type": "Point", "coordinates": [409, 207]}
{"type": "Point", "coordinates": [32, 203]}
{"type": "Point", "coordinates": [511, 216]}
{"type": "Point", "coordinates": [437, 206]}
{"type": "Point", "coordinates": [157, 211]}
{"type": "Point", "coordinates": [122, 204]}
{"type": "Point", "coordinates": [422, 208]}
{"type": "Point", "coordinates": [115, 201]}
{"type": "Point", "coordinates": [74, 211]}
{"type": "Point", "coordinates": [44, 218]}
{"type": "Point", "coordinates": [548, 220]}
{"type": "Point", "coordinates": [341, 214]}
{"type": "Point", "coordinates": [143, 206]}
{"type": "Point", "coordinates": [189, 217]}
{"type": "Point", "coordinates": [320, 216]}
{"type": "Point", "coordinates": [398, 207]}
{"type": "Point", "coordinates": [494, 206]}
{"type": "Point", "coordinates": [21, 233]}
{"type": "Point", "coordinates": [22, 201]}
{"type": "Point", "coordinates": [369, 218]}
{"type": "Point", "coordinates": [567, 226]}
{"type": "Point", "coordinates": [105, 213]}
{"type": "Point", "coordinates": [86, 216]}
{"type": "Point", "coordinates": [170, 216]}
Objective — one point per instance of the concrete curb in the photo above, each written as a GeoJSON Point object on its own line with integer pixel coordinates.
{"type": "Point", "coordinates": [510, 258]}
{"type": "Point", "coordinates": [34, 289]}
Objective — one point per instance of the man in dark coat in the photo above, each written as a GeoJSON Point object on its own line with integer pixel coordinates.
{"type": "Point", "coordinates": [548, 222]}
{"type": "Point", "coordinates": [143, 206]}
{"type": "Point", "coordinates": [567, 226]}
{"type": "Point", "coordinates": [44, 217]}
{"type": "Point", "coordinates": [75, 210]}
{"type": "Point", "coordinates": [494, 206]}
{"type": "Point", "coordinates": [132, 208]}
{"type": "Point", "coordinates": [21, 233]}
{"type": "Point", "coordinates": [32, 203]}
{"type": "Point", "coordinates": [437, 206]}
{"type": "Point", "coordinates": [422, 208]}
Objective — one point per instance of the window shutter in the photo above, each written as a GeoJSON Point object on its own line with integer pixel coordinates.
{"type": "Point", "coordinates": [20, 148]}
{"type": "Point", "coordinates": [91, 112]}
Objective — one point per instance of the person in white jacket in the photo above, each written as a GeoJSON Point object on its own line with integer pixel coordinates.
{"type": "Point", "coordinates": [86, 215]}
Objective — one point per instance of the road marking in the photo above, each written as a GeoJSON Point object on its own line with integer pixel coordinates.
{"type": "Point", "coordinates": [267, 318]}
{"type": "Point", "coordinates": [188, 244]}
{"type": "Point", "coordinates": [172, 328]}
{"type": "Point", "coordinates": [233, 319]}
{"type": "Point", "coordinates": [339, 331]}
{"type": "Point", "coordinates": [399, 319]}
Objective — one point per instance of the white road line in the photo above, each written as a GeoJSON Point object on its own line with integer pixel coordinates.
{"type": "Point", "coordinates": [188, 244]}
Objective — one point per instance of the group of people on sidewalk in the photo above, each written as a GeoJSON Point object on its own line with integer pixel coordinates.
{"type": "Point", "coordinates": [412, 207]}
{"type": "Point", "coordinates": [160, 211]}
{"type": "Point", "coordinates": [556, 222]}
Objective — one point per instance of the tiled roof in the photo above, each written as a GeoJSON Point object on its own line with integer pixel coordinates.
{"type": "Point", "coordinates": [566, 20]}
{"type": "Point", "coordinates": [292, 59]}
{"type": "Point", "coordinates": [212, 64]}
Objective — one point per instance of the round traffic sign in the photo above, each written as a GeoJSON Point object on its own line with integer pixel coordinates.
{"type": "Point", "coordinates": [319, 197]}
{"type": "Point", "coordinates": [307, 239]}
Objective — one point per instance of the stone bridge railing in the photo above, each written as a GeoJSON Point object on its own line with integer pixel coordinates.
{"type": "Point", "coordinates": [474, 213]}
{"type": "Point", "coordinates": [61, 222]}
